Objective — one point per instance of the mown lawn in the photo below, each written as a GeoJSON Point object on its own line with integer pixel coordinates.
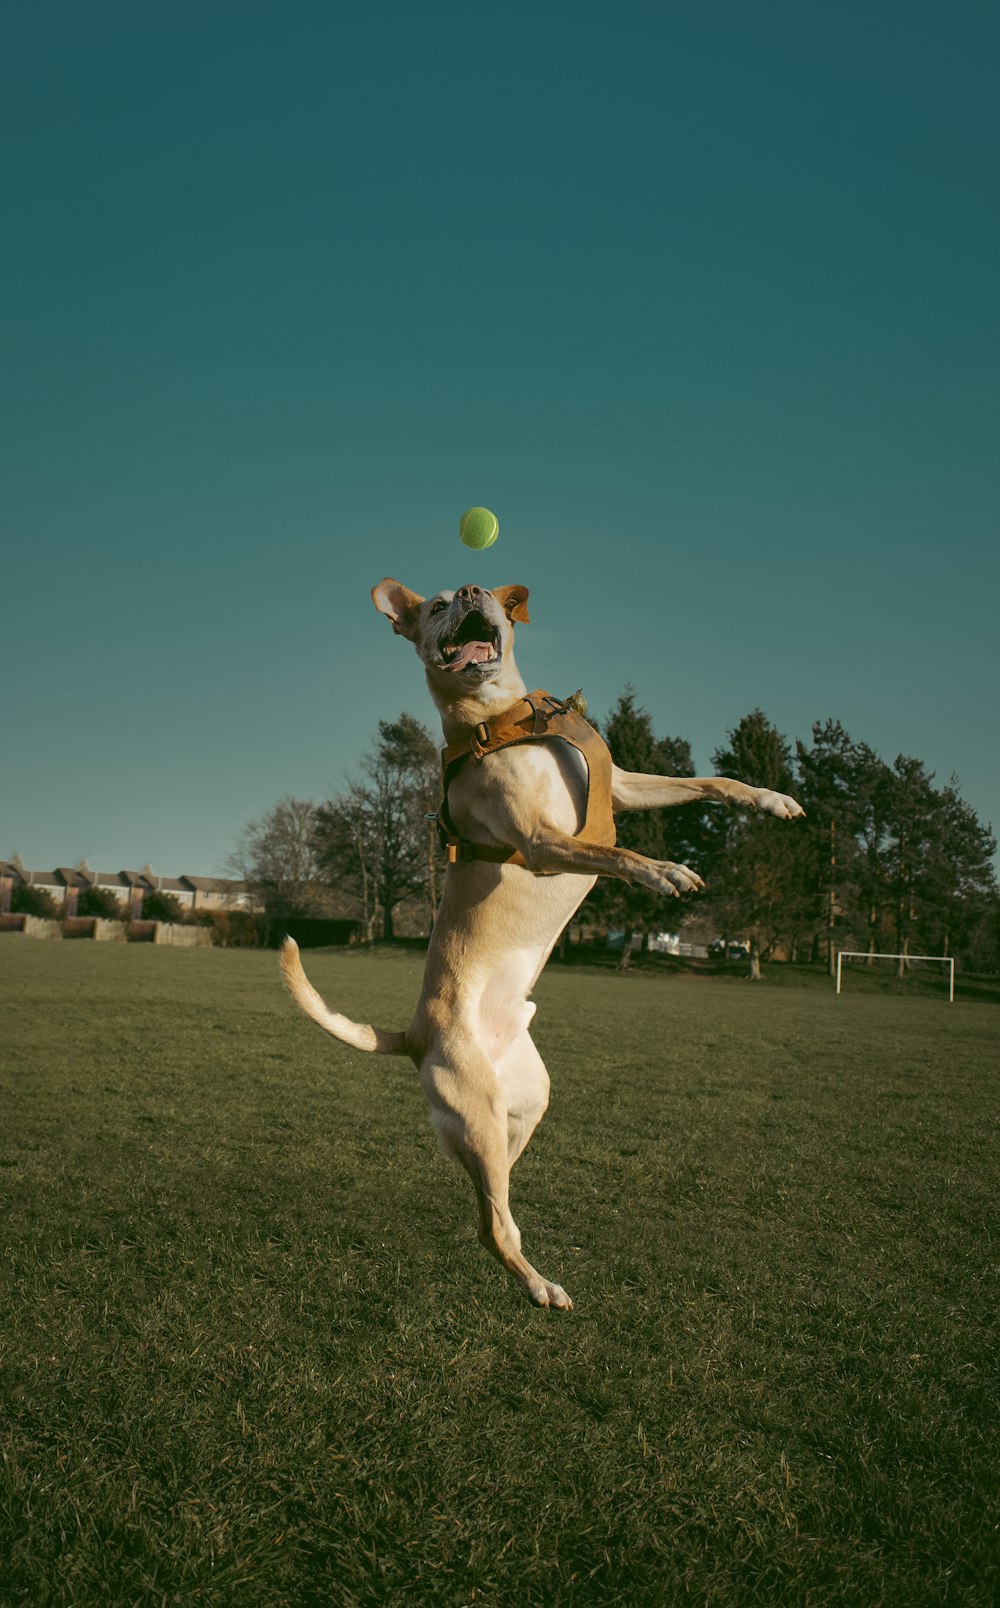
{"type": "Point", "coordinates": [252, 1352]}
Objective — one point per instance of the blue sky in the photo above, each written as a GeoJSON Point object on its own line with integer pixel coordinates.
{"type": "Point", "coordinates": [700, 300]}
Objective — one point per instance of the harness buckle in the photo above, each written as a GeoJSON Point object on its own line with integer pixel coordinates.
{"type": "Point", "coordinates": [457, 851]}
{"type": "Point", "coordinates": [539, 717]}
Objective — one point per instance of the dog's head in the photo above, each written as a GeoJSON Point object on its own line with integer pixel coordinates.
{"type": "Point", "coordinates": [464, 638]}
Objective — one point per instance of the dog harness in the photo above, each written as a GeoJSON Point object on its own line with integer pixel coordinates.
{"type": "Point", "coordinates": [536, 718]}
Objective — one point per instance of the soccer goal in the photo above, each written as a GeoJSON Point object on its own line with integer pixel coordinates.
{"type": "Point", "coordinates": [864, 954]}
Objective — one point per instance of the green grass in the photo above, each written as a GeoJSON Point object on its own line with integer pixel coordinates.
{"type": "Point", "coordinates": [252, 1352]}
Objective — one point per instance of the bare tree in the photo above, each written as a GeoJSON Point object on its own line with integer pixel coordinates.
{"type": "Point", "coordinates": [276, 857]}
{"type": "Point", "coordinates": [374, 838]}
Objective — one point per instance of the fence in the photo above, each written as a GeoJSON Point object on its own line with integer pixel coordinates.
{"type": "Point", "coordinates": [224, 928]}
{"type": "Point", "coordinates": [657, 943]}
{"type": "Point", "coordinates": [179, 934]}
{"type": "Point", "coordinates": [105, 931]}
{"type": "Point", "coordinates": [31, 926]}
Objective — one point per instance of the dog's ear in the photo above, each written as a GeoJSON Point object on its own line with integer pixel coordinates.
{"type": "Point", "coordinates": [399, 605]}
{"type": "Point", "coordinates": [514, 602]}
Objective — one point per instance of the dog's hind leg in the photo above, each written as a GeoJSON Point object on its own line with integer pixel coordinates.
{"type": "Point", "coordinates": [469, 1112]}
{"type": "Point", "coordinates": [525, 1085]}
{"type": "Point", "coordinates": [487, 1167]}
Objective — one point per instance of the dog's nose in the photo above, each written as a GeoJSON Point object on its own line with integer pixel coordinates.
{"type": "Point", "coordinates": [469, 594]}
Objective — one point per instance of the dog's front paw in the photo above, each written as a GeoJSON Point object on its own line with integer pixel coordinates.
{"type": "Point", "coordinates": [663, 876]}
{"type": "Point", "coordinates": [779, 804]}
{"type": "Point", "coordinates": [677, 879]}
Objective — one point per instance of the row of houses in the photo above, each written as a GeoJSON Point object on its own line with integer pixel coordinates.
{"type": "Point", "coordinates": [65, 884]}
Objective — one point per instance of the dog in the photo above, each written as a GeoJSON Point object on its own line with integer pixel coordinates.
{"type": "Point", "coordinates": [529, 824]}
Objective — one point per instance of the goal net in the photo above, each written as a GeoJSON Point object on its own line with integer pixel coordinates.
{"type": "Point", "coordinates": [863, 957]}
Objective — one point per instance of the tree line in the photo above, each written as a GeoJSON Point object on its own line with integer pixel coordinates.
{"type": "Point", "coordinates": [886, 859]}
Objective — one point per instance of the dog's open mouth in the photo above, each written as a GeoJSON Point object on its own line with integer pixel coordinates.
{"type": "Point", "coordinates": [475, 645]}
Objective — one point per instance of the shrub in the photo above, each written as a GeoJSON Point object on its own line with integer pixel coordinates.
{"type": "Point", "coordinates": [231, 929]}
{"type": "Point", "coordinates": [99, 902]}
{"type": "Point", "coordinates": [161, 906]}
{"type": "Point", "coordinates": [28, 901]}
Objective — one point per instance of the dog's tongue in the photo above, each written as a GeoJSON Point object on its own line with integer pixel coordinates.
{"type": "Point", "coordinates": [470, 653]}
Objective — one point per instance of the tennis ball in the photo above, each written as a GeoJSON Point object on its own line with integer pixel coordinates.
{"type": "Point", "coordinates": [478, 527]}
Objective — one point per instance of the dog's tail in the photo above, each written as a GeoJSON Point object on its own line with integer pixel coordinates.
{"type": "Point", "coordinates": [357, 1034]}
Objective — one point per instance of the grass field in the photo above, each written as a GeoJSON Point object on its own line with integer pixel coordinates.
{"type": "Point", "coordinates": [252, 1352]}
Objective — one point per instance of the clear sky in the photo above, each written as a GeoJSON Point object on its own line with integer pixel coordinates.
{"type": "Point", "coordinates": [701, 300]}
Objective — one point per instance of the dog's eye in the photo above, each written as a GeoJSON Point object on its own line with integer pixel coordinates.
{"type": "Point", "coordinates": [438, 606]}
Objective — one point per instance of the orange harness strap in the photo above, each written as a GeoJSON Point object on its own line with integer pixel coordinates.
{"type": "Point", "coordinates": [537, 717]}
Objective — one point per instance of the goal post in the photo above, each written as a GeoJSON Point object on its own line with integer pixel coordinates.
{"type": "Point", "coordinates": [865, 954]}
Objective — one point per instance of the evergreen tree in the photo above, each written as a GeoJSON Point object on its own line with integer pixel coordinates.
{"type": "Point", "coordinates": [757, 879]}
{"type": "Point", "coordinates": [937, 862]}
{"type": "Point", "coordinates": [913, 862]}
{"type": "Point", "coordinates": [828, 789]}
{"type": "Point", "coordinates": [664, 834]}
{"type": "Point", "coordinates": [872, 892]}
{"type": "Point", "coordinates": [912, 841]}
{"type": "Point", "coordinates": [962, 891]}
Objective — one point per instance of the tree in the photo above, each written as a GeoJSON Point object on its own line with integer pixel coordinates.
{"type": "Point", "coordinates": [961, 895]}
{"type": "Point", "coordinates": [828, 788]}
{"type": "Point", "coordinates": [374, 838]}
{"type": "Point", "coordinates": [757, 874]}
{"type": "Point", "coordinates": [409, 746]}
{"type": "Point", "coordinates": [911, 843]}
{"type": "Point", "coordinates": [913, 862]}
{"type": "Point", "coordinates": [981, 941]}
{"type": "Point", "coordinates": [937, 859]}
{"type": "Point", "coordinates": [276, 858]}
{"type": "Point", "coordinates": [872, 798]}
{"type": "Point", "coordinates": [663, 834]}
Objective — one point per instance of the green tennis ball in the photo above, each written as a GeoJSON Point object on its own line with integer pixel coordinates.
{"type": "Point", "coordinates": [478, 527]}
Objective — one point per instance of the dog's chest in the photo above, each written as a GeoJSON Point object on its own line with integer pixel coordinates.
{"type": "Point", "coordinates": [545, 780]}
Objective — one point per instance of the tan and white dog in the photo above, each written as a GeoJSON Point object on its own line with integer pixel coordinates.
{"type": "Point", "coordinates": [483, 1077]}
